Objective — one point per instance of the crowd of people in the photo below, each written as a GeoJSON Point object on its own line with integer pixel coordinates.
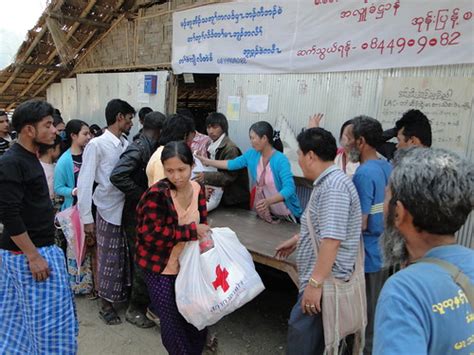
{"type": "Point", "coordinates": [376, 254]}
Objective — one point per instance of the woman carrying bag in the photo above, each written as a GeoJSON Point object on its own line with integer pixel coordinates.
{"type": "Point", "coordinates": [170, 213]}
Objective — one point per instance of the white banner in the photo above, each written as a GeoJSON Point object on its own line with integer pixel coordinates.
{"type": "Point", "coordinates": [322, 35]}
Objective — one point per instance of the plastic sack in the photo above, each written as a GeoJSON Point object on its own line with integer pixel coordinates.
{"type": "Point", "coordinates": [79, 265]}
{"type": "Point", "coordinates": [212, 285]}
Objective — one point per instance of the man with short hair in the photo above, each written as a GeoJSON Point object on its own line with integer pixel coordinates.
{"type": "Point", "coordinates": [370, 180]}
{"type": "Point", "coordinates": [5, 138]}
{"type": "Point", "coordinates": [413, 130]}
{"type": "Point", "coordinates": [129, 176]}
{"type": "Point", "coordinates": [235, 184]}
{"type": "Point", "coordinates": [334, 212]}
{"type": "Point", "coordinates": [36, 303]}
{"type": "Point", "coordinates": [141, 118]}
{"type": "Point", "coordinates": [425, 308]}
{"type": "Point", "coordinates": [99, 158]}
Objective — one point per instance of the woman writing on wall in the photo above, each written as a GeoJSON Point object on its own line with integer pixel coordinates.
{"type": "Point", "coordinates": [169, 214]}
{"type": "Point", "coordinates": [270, 172]}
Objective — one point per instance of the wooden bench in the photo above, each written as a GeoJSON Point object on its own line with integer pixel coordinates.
{"type": "Point", "coordinates": [259, 237]}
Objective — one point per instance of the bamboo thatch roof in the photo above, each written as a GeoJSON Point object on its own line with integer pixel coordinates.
{"type": "Point", "coordinates": [62, 35]}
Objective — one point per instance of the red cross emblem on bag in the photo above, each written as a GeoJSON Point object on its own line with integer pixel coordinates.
{"type": "Point", "coordinates": [221, 279]}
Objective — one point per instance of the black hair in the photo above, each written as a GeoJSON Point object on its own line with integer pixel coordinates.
{"type": "Point", "coordinates": [320, 142]}
{"type": "Point", "coordinates": [143, 112]}
{"type": "Point", "coordinates": [73, 127]}
{"type": "Point", "coordinates": [30, 113]}
{"type": "Point", "coordinates": [369, 128]}
{"type": "Point", "coordinates": [177, 127]}
{"type": "Point", "coordinates": [154, 120]}
{"type": "Point", "coordinates": [218, 119]}
{"type": "Point", "coordinates": [180, 150]}
{"type": "Point", "coordinates": [43, 148]}
{"type": "Point", "coordinates": [263, 128]}
{"type": "Point", "coordinates": [57, 119]}
{"type": "Point", "coordinates": [3, 113]}
{"type": "Point", "coordinates": [116, 106]}
{"type": "Point", "coordinates": [415, 124]}
{"type": "Point", "coordinates": [96, 131]}
{"type": "Point", "coordinates": [343, 127]}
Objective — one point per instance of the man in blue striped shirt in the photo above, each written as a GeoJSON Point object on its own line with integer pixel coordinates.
{"type": "Point", "coordinates": [334, 212]}
{"type": "Point", "coordinates": [370, 179]}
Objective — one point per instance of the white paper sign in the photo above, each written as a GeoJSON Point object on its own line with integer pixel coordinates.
{"type": "Point", "coordinates": [447, 102]}
{"type": "Point", "coordinates": [257, 103]}
{"type": "Point", "coordinates": [300, 36]}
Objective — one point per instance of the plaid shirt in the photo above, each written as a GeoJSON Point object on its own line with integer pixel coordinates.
{"type": "Point", "coordinates": [158, 230]}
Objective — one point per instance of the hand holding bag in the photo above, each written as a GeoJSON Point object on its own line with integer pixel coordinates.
{"type": "Point", "coordinates": [213, 284]}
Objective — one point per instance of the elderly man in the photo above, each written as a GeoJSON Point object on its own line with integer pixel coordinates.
{"type": "Point", "coordinates": [333, 221]}
{"type": "Point", "coordinates": [424, 308]}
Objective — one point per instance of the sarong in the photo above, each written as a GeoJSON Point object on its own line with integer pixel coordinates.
{"type": "Point", "coordinates": [113, 261]}
{"type": "Point", "coordinates": [36, 317]}
{"type": "Point", "coordinates": [177, 335]}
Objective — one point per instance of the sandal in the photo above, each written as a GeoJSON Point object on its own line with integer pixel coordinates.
{"type": "Point", "coordinates": [92, 296]}
{"type": "Point", "coordinates": [109, 316]}
{"type": "Point", "coordinates": [211, 343]}
{"type": "Point", "coordinates": [138, 319]}
{"type": "Point", "coordinates": [152, 316]}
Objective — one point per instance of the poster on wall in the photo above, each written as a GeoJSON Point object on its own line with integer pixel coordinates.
{"type": "Point", "coordinates": [233, 108]}
{"type": "Point", "coordinates": [447, 102]}
{"type": "Point", "coordinates": [299, 36]}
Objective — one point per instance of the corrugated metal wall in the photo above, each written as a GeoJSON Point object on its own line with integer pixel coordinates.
{"type": "Point", "coordinates": [341, 96]}
{"type": "Point", "coordinates": [86, 96]}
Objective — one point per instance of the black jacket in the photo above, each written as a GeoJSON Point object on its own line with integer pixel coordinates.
{"type": "Point", "coordinates": [235, 183]}
{"type": "Point", "coordinates": [129, 175]}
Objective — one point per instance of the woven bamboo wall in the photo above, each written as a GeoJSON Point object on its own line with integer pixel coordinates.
{"type": "Point", "coordinates": [137, 43]}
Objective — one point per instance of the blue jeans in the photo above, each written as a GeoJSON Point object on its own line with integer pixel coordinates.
{"type": "Point", "coordinates": [305, 332]}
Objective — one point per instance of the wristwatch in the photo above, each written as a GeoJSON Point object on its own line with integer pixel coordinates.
{"type": "Point", "coordinates": [316, 284]}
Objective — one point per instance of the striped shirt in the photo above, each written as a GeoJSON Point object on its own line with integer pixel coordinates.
{"type": "Point", "coordinates": [335, 213]}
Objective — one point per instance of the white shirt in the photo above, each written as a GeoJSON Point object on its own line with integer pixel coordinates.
{"type": "Point", "coordinates": [49, 173]}
{"type": "Point", "coordinates": [99, 159]}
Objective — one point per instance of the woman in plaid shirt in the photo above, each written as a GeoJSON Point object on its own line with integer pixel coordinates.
{"type": "Point", "coordinates": [170, 213]}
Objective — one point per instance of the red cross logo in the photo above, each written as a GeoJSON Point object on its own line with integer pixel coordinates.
{"type": "Point", "coordinates": [221, 279]}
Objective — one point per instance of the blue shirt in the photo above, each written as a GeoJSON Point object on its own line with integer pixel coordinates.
{"type": "Point", "coordinates": [421, 310]}
{"type": "Point", "coordinates": [282, 175]}
{"type": "Point", "coordinates": [370, 180]}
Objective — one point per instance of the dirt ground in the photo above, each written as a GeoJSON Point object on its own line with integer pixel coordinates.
{"type": "Point", "coordinates": [257, 328]}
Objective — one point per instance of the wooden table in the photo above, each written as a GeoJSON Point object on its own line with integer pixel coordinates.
{"type": "Point", "coordinates": [259, 237]}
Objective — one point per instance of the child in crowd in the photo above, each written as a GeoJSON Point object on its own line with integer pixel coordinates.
{"type": "Point", "coordinates": [48, 154]}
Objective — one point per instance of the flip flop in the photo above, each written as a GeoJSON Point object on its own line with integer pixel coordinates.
{"type": "Point", "coordinates": [109, 316]}
{"type": "Point", "coordinates": [138, 319]}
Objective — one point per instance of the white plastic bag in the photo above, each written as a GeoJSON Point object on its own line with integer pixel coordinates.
{"type": "Point", "coordinates": [216, 283]}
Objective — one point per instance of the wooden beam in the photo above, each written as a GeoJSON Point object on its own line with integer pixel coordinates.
{"type": "Point", "coordinates": [126, 67]}
{"type": "Point", "coordinates": [53, 54]}
{"type": "Point", "coordinates": [83, 21]}
{"type": "Point", "coordinates": [30, 49]}
{"type": "Point", "coordinates": [39, 66]}
{"type": "Point", "coordinates": [74, 28]}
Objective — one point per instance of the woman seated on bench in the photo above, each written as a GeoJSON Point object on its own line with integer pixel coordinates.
{"type": "Point", "coordinates": [270, 170]}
